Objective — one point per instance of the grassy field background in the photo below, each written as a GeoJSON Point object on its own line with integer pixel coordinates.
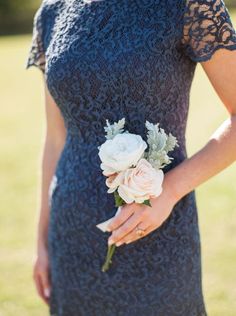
{"type": "Point", "coordinates": [22, 124]}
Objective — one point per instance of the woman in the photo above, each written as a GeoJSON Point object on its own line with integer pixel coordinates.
{"type": "Point", "coordinates": [110, 59]}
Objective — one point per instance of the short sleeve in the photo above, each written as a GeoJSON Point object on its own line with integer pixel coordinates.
{"type": "Point", "coordinates": [36, 55]}
{"type": "Point", "coordinates": [207, 26]}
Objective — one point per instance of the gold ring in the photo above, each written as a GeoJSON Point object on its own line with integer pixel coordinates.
{"type": "Point", "coordinates": [139, 231]}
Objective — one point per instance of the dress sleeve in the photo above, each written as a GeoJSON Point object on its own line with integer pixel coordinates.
{"type": "Point", "coordinates": [207, 27]}
{"type": "Point", "coordinates": [36, 55]}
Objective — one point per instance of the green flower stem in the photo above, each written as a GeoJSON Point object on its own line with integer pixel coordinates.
{"type": "Point", "coordinates": [110, 252]}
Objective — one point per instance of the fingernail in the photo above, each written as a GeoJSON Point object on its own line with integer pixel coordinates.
{"type": "Point", "coordinates": [119, 243]}
{"type": "Point", "coordinates": [47, 292]}
{"type": "Point", "coordinates": [129, 241]}
{"type": "Point", "coordinates": [110, 241]}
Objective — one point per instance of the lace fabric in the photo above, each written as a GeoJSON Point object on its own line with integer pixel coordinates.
{"type": "Point", "coordinates": [110, 59]}
{"type": "Point", "coordinates": [36, 55]}
{"type": "Point", "coordinates": [207, 27]}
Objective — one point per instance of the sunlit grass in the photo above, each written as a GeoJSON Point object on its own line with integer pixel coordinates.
{"type": "Point", "coordinates": [22, 128]}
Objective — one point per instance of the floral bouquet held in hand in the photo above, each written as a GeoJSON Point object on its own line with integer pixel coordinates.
{"type": "Point", "coordinates": [133, 167]}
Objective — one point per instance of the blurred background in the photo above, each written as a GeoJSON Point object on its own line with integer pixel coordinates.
{"type": "Point", "coordinates": [22, 127]}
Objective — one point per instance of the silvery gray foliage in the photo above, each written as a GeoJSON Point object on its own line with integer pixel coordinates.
{"type": "Point", "coordinates": [113, 129]}
{"type": "Point", "coordinates": [159, 142]}
{"type": "Point", "coordinates": [159, 145]}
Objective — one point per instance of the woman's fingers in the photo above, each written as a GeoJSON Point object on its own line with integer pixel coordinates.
{"type": "Point", "coordinates": [126, 211]}
{"type": "Point", "coordinates": [127, 227]}
{"type": "Point", "coordinates": [132, 236]}
{"type": "Point", "coordinates": [45, 284]}
{"type": "Point", "coordinates": [41, 279]}
{"type": "Point", "coordinates": [38, 284]}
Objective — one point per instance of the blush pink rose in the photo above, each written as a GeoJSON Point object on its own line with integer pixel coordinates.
{"type": "Point", "coordinates": [114, 180]}
{"type": "Point", "coordinates": [137, 184]}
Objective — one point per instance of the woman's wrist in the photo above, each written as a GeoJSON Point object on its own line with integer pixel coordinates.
{"type": "Point", "coordinates": [170, 187]}
{"type": "Point", "coordinates": [42, 234]}
{"type": "Point", "coordinates": [42, 241]}
{"type": "Point", "coordinates": [42, 246]}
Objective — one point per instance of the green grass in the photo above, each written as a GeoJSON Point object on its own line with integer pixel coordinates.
{"type": "Point", "coordinates": [22, 124]}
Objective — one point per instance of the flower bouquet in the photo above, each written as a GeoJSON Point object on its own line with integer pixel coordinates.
{"type": "Point", "coordinates": [133, 167]}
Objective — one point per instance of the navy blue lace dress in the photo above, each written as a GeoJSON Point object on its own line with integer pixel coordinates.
{"type": "Point", "coordinates": [108, 59]}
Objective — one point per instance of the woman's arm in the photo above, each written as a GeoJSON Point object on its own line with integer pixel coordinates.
{"type": "Point", "coordinates": [220, 151]}
{"type": "Point", "coordinates": [217, 154]}
{"type": "Point", "coordinates": [53, 144]}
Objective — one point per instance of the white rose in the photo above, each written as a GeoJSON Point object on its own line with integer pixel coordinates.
{"type": "Point", "coordinates": [121, 152]}
{"type": "Point", "coordinates": [140, 183]}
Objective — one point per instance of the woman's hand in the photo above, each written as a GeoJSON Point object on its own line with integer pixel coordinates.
{"type": "Point", "coordinates": [145, 217]}
{"type": "Point", "coordinates": [41, 274]}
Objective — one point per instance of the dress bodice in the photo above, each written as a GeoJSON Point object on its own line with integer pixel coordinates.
{"type": "Point", "coordinates": [110, 59]}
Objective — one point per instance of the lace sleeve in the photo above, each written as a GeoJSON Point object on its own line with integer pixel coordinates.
{"type": "Point", "coordinates": [207, 27]}
{"type": "Point", "coordinates": [36, 56]}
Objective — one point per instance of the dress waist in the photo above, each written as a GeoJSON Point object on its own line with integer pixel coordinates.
{"type": "Point", "coordinates": [85, 137]}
